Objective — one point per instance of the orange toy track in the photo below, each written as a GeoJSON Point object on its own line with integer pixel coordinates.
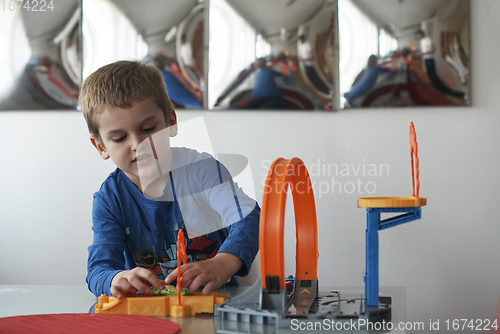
{"type": "Point", "coordinates": [282, 175]}
{"type": "Point", "coordinates": [159, 306]}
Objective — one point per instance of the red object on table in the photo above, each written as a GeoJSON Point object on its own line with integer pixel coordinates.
{"type": "Point", "coordinates": [76, 323]}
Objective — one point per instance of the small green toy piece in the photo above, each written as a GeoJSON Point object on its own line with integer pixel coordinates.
{"type": "Point", "coordinates": [169, 290]}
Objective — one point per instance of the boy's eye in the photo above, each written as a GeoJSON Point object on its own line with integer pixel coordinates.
{"type": "Point", "coordinates": [117, 140]}
{"type": "Point", "coordinates": [148, 129]}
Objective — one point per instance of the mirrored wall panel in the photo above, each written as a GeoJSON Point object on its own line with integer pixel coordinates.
{"type": "Point", "coordinates": [404, 53]}
{"type": "Point", "coordinates": [276, 54]}
{"type": "Point", "coordinates": [40, 52]}
{"type": "Point", "coordinates": [280, 54]}
{"type": "Point", "coordinates": [167, 33]}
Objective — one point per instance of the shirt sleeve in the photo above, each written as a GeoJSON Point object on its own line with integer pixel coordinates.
{"type": "Point", "coordinates": [381, 69]}
{"type": "Point", "coordinates": [106, 254]}
{"type": "Point", "coordinates": [239, 213]}
{"type": "Point", "coordinates": [243, 240]}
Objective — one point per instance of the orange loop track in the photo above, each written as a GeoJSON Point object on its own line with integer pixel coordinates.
{"type": "Point", "coordinates": [282, 175]}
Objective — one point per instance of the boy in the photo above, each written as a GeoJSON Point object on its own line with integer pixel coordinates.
{"type": "Point", "coordinates": [137, 211]}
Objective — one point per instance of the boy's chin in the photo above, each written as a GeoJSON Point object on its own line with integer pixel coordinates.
{"type": "Point", "coordinates": [148, 174]}
{"type": "Point", "coordinates": [151, 172]}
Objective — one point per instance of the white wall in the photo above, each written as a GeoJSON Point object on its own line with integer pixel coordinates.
{"type": "Point", "coordinates": [448, 260]}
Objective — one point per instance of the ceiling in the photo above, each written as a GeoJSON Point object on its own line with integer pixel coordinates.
{"type": "Point", "coordinates": [149, 17]}
{"type": "Point", "coordinates": [269, 16]}
{"type": "Point", "coordinates": [155, 16]}
{"type": "Point", "coordinates": [48, 23]}
{"type": "Point", "coordinates": [398, 13]}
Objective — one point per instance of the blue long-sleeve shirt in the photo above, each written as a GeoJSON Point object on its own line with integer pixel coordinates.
{"type": "Point", "coordinates": [178, 93]}
{"type": "Point", "coordinates": [132, 230]}
{"type": "Point", "coordinates": [366, 83]}
{"type": "Point", "coordinates": [265, 85]}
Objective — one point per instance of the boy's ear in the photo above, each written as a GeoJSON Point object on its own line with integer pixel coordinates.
{"type": "Point", "coordinates": [99, 147]}
{"type": "Point", "coordinates": [172, 124]}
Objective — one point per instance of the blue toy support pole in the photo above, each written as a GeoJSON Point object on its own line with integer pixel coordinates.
{"type": "Point", "coordinates": [371, 274]}
{"type": "Point", "coordinates": [373, 225]}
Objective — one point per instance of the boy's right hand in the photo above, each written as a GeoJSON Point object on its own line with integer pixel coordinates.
{"type": "Point", "coordinates": [130, 281]}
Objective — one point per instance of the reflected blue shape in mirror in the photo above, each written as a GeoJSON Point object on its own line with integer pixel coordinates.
{"type": "Point", "coordinates": [404, 53]}
{"type": "Point", "coordinates": [258, 59]}
{"type": "Point", "coordinates": [168, 34]}
{"type": "Point", "coordinates": [41, 55]}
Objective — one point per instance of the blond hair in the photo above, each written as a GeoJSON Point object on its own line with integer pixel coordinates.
{"type": "Point", "coordinates": [119, 85]}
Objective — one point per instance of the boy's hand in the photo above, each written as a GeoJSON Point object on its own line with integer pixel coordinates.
{"type": "Point", "coordinates": [211, 273]}
{"type": "Point", "coordinates": [129, 281]}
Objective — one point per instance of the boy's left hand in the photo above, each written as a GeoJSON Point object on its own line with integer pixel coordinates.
{"type": "Point", "coordinates": [211, 273]}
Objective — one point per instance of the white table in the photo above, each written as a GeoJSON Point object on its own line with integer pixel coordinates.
{"type": "Point", "coordinates": [50, 299]}
{"type": "Point", "coordinates": [44, 299]}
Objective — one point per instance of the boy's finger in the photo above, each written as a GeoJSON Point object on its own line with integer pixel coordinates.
{"type": "Point", "coordinates": [171, 277]}
{"type": "Point", "coordinates": [209, 287]}
{"type": "Point", "coordinates": [115, 292]}
{"type": "Point", "coordinates": [160, 285]}
{"type": "Point", "coordinates": [123, 285]}
{"type": "Point", "coordinates": [145, 273]}
{"type": "Point", "coordinates": [138, 284]}
{"type": "Point", "coordinates": [197, 282]}
{"type": "Point", "coordinates": [189, 274]}
{"type": "Point", "coordinates": [186, 284]}
{"type": "Point", "coordinates": [121, 289]}
{"type": "Point", "coordinates": [150, 279]}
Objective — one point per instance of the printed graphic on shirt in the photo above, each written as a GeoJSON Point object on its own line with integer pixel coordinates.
{"type": "Point", "coordinates": [169, 265]}
{"type": "Point", "coordinates": [148, 260]}
{"type": "Point", "coordinates": [198, 248]}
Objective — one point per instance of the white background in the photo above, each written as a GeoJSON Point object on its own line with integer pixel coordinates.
{"type": "Point", "coordinates": [449, 260]}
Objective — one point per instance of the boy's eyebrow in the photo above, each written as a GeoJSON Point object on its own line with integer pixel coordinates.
{"type": "Point", "coordinates": [111, 132]}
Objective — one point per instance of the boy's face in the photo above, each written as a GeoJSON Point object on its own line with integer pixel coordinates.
{"type": "Point", "coordinates": [126, 138]}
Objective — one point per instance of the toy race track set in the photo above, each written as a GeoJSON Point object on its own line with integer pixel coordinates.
{"type": "Point", "coordinates": [268, 301]}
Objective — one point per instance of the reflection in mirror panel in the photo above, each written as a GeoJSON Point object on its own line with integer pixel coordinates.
{"type": "Point", "coordinates": [404, 53]}
{"type": "Point", "coordinates": [276, 54]}
{"type": "Point", "coordinates": [40, 52]}
{"type": "Point", "coordinates": [166, 33]}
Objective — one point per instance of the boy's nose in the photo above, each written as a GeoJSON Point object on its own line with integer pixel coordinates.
{"type": "Point", "coordinates": [139, 141]}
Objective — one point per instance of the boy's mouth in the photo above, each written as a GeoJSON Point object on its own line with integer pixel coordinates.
{"type": "Point", "coordinates": [142, 158]}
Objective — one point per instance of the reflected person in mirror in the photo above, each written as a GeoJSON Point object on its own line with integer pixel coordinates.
{"type": "Point", "coordinates": [181, 94]}
{"type": "Point", "coordinates": [427, 50]}
{"type": "Point", "coordinates": [365, 81]}
{"type": "Point", "coordinates": [189, 61]}
{"type": "Point", "coordinates": [305, 53]}
{"type": "Point", "coordinates": [266, 93]}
